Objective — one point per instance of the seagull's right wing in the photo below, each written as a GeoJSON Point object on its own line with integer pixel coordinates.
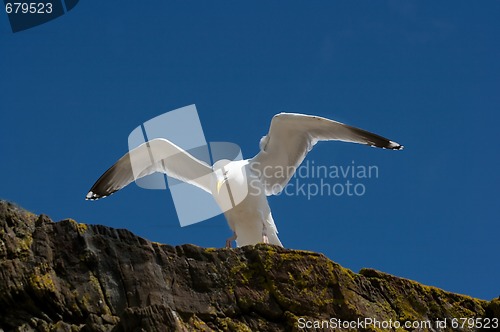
{"type": "Point", "coordinates": [157, 155]}
{"type": "Point", "coordinates": [291, 136]}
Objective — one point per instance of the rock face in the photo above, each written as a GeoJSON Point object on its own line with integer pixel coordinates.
{"type": "Point", "coordinates": [67, 276]}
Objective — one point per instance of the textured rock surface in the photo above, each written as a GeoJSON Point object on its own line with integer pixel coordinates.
{"type": "Point", "coordinates": [67, 276]}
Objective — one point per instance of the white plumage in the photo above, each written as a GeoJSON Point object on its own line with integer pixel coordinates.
{"type": "Point", "coordinates": [239, 187]}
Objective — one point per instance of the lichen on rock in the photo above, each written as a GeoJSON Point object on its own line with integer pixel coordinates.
{"type": "Point", "coordinates": [66, 276]}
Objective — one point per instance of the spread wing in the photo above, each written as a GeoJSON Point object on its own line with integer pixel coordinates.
{"type": "Point", "coordinates": [292, 136]}
{"type": "Point", "coordinates": [157, 155]}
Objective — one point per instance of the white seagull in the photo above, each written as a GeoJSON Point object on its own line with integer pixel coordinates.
{"type": "Point", "coordinates": [239, 187]}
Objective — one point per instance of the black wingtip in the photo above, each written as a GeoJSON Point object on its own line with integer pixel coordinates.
{"type": "Point", "coordinates": [91, 196]}
{"type": "Point", "coordinates": [395, 146]}
{"type": "Point", "coordinates": [391, 146]}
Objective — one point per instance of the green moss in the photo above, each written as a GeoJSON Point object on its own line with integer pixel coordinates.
{"type": "Point", "coordinates": [303, 291]}
{"type": "Point", "coordinates": [95, 283]}
{"type": "Point", "coordinates": [30, 215]}
{"type": "Point", "coordinates": [80, 228]}
{"type": "Point", "coordinates": [197, 324]}
{"type": "Point", "coordinates": [243, 272]}
{"type": "Point", "coordinates": [42, 283]}
{"type": "Point", "coordinates": [411, 301]}
{"type": "Point", "coordinates": [87, 302]}
{"type": "Point", "coordinates": [24, 244]}
{"type": "Point", "coordinates": [228, 324]}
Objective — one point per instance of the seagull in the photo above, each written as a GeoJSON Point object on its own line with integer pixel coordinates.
{"type": "Point", "coordinates": [239, 187]}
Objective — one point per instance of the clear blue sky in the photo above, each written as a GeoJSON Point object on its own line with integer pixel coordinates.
{"type": "Point", "coordinates": [422, 73]}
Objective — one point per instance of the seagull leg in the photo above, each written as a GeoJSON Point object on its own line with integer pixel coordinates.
{"type": "Point", "coordinates": [265, 239]}
{"type": "Point", "coordinates": [231, 239]}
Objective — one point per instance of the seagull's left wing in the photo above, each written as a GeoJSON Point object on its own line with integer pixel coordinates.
{"type": "Point", "coordinates": [157, 155]}
{"type": "Point", "coordinates": [291, 136]}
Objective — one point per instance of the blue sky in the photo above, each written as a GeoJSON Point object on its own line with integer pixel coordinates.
{"type": "Point", "coordinates": [422, 73]}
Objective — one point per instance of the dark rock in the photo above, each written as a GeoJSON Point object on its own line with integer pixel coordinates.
{"type": "Point", "coordinates": [67, 276]}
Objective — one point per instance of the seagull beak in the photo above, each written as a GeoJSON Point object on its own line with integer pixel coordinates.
{"type": "Point", "coordinates": [220, 183]}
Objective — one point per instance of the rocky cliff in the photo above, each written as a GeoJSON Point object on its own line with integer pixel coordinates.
{"type": "Point", "coordinates": [67, 276]}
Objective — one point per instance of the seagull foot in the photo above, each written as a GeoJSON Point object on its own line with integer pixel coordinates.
{"type": "Point", "coordinates": [229, 240]}
{"type": "Point", "coordinates": [265, 239]}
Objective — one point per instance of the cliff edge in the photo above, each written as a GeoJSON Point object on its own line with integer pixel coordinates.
{"type": "Point", "coordinates": [66, 276]}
